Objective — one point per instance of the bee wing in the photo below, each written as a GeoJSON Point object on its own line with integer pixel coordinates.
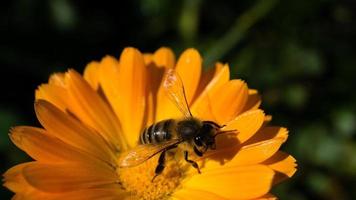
{"type": "Point", "coordinates": [174, 89]}
{"type": "Point", "coordinates": [143, 152]}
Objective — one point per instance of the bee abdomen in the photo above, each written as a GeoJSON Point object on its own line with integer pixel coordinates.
{"type": "Point", "coordinates": [157, 133]}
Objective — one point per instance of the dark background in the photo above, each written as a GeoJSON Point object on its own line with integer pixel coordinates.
{"type": "Point", "coordinates": [299, 54]}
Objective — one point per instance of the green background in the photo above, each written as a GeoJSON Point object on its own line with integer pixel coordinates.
{"type": "Point", "coordinates": [299, 54]}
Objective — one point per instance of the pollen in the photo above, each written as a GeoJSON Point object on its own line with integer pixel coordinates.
{"type": "Point", "coordinates": [139, 183]}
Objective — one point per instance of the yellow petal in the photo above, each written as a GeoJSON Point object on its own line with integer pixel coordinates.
{"type": "Point", "coordinates": [188, 194]}
{"type": "Point", "coordinates": [72, 132]}
{"type": "Point", "coordinates": [202, 106]}
{"type": "Point", "coordinates": [88, 194]}
{"type": "Point", "coordinates": [68, 177]}
{"type": "Point", "coordinates": [267, 197]}
{"type": "Point", "coordinates": [189, 67]}
{"type": "Point", "coordinates": [55, 94]}
{"type": "Point", "coordinates": [247, 155]}
{"type": "Point", "coordinates": [31, 195]}
{"type": "Point", "coordinates": [165, 108]}
{"type": "Point", "coordinates": [97, 112]}
{"type": "Point", "coordinates": [268, 118]}
{"type": "Point", "coordinates": [54, 91]}
{"type": "Point", "coordinates": [133, 90]}
{"type": "Point", "coordinates": [245, 182]}
{"type": "Point", "coordinates": [57, 79]}
{"type": "Point", "coordinates": [283, 163]}
{"type": "Point", "coordinates": [106, 193]}
{"type": "Point", "coordinates": [267, 133]}
{"type": "Point", "coordinates": [91, 74]}
{"type": "Point", "coordinates": [147, 58]}
{"type": "Point", "coordinates": [109, 80]}
{"type": "Point", "coordinates": [229, 100]}
{"type": "Point", "coordinates": [257, 152]}
{"type": "Point", "coordinates": [164, 57]}
{"type": "Point", "coordinates": [45, 148]}
{"type": "Point", "coordinates": [207, 77]}
{"type": "Point", "coordinates": [246, 125]}
{"type": "Point", "coordinates": [253, 100]}
{"type": "Point", "coordinates": [14, 180]}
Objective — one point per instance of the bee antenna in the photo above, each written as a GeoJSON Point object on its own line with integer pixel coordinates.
{"type": "Point", "coordinates": [225, 132]}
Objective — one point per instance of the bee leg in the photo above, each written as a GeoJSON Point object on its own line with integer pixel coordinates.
{"type": "Point", "coordinates": [196, 151]}
{"type": "Point", "coordinates": [193, 163]}
{"type": "Point", "coordinates": [160, 165]}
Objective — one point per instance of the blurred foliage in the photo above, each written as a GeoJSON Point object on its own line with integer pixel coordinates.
{"type": "Point", "coordinates": [299, 54]}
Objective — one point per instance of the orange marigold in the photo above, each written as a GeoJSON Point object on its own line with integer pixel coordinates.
{"type": "Point", "coordinates": [89, 121]}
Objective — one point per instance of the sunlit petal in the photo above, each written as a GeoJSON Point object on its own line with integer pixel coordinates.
{"type": "Point", "coordinates": [91, 74]}
{"type": "Point", "coordinates": [72, 132]}
{"type": "Point", "coordinates": [284, 164]}
{"type": "Point", "coordinates": [245, 125]}
{"type": "Point", "coordinates": [97, 112]}
{"type": "Point", "coordinates": [248, 181]}
{"type": "Point", "coordinates": [202, 107]}
{"type": "Point", "coordinates": [133, 90]}
{"type": "Point", "coordinates": [66, 177]}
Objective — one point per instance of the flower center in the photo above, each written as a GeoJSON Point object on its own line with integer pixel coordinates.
{"type": "Point", "coordinates": [138, 180]}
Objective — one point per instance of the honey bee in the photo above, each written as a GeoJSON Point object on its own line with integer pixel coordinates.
{"type": "Point", "coordinates": [169, 134]}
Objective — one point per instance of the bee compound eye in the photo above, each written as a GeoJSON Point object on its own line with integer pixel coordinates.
{"type": "Point", "coordinates": [197, 141]}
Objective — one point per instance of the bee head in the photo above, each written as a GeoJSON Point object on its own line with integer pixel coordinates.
{"type": "Point", "coordinates": [205, 139]}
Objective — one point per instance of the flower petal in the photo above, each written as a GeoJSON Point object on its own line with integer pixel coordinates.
{"type": "Point", "coordinates": [55, 94]}
{"type": "Point", "coordinates": [202, 106]}
{"type": "Point", "coordinates": [283, 163]}
{"type": "Point", "coordinates": [57, 79]}
{"type": "Point", "coordinates": [109, 81]}
{"type": "Point", "coordinates": [72, 132]}
{"type": "Point", "coordinates": [147, 58]}
{"type": "Point", "coordinates": [234, 94]}
{"type": "Point", "coordinates": [189, 67]}
{"type": "Point", "coordinates": [187, 194]}
{"type": "Point", "coordinates": [267, 133]}
{"type": "Point", "coordinates": [112, 193]}
{"type": "Point", "coordinates": [267, 197]}
{"type": "Point", "coordinates": [97, 113]}
{"type": "Point", "coordinates": [91, 74]}
{"type": "Point", "coordinates": [14, 180]}
{"type": "Point", "coordinates": [258, 152]}
{"type": "Point", "coordinates": [245, 182]}
{"type": "Point", "coordinates": [207, 77]}
{"type": "Point", "coordinates": [68, 177]}
{"type": "Point", "coordinates": [247, 155]}
{"type": "Point", "coordinates": [133, 90]}
{"type": "Point", "coordinates": [253, 100]}
{"type": "Point", "coordinates": [44, 148]}
{"type": "Point", "coordinates": [164, 57]}
{"type": "Point", "coordinates": [246, 125]}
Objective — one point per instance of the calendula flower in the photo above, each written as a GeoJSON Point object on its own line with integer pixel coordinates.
{"type": "Point", "coordinates": [89, 121]}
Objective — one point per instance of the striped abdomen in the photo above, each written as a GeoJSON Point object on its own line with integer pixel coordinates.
{"type": "Point", "coordinates": [158, 132]}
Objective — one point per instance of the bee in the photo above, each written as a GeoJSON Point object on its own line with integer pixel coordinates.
{"type": "Point", "coordinates": [199, 136]}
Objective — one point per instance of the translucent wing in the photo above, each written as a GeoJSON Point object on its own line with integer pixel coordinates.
{"type": "Point", "coordinates": [143, 152]}
{"type": "Point", "coordinates": [174, 88]}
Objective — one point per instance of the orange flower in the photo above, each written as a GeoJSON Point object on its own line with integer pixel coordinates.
{"type": "Point", "coordinates": [89, 120]}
